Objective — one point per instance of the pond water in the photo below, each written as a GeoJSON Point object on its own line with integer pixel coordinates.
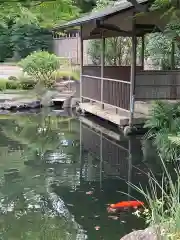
{"type": "Point", "coordinates": [57, 176]}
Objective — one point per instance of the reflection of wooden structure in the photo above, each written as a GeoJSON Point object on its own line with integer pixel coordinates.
{"type": "Point", "coordinates": [121, 94]}
{"type": "Point", "coordinates": [111, 157]}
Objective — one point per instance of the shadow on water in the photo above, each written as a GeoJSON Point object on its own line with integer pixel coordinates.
{"type": "Point", "coordinates": [57, 175]}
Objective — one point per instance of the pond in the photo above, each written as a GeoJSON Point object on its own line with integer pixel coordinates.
{"type": "Point", "coordinates": [57, 176]}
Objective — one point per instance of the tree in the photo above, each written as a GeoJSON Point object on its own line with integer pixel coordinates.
{"type": "Point", "coordinates": [55, 12]}
{"type": "Point", "coordinates": [27, 25]}
{"type": "Point", "coordinates": [158, 49]}
{"type": "Point", "coordinates": [5, 42]}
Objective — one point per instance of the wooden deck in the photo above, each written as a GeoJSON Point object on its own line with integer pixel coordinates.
{"type": "Point", "coordinates": [121, 118]}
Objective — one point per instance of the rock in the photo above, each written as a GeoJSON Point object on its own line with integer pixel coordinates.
{"type": "Point", "coordinates": [150, 233]}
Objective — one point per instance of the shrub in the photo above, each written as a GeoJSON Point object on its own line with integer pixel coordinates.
{"type": "Point", "coordinates": [13, 78]}
{"type": "Point", "coordinates": [10, 84]}
{"type": "Point", "coordinates": [164, 125]}
{"type": "Point", "coordinates": [40, 66]}
{"type": "Point", "coordinates": [3, 84]}
{"type": "Point", "coordinates": [66, 75]}
{"type": "Point", "coordinates": [27, 84]}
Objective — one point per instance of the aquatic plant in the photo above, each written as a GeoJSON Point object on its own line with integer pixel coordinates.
{"type": "Point", "coordinates": [164, 129]}
{"type": "Point", "coordinates": [163, 203]}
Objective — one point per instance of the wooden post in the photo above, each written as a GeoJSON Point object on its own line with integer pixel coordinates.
{"type": "Point", "coordinates": [142, 52]}
{"type": "Point", "coordinates": [81, 65]}
{"type": "Point", "coordinates": [102, 67]}
{"type": "Point", "coordinates": [172, 56]}
{"type": "Point", "coordinates": [101, 160]}
{"type": "Point", "coordinates": [129, 167]}
{"type": "Point", "coordinates": [80, 154]}
{"type": "Point", "coordinates": [133, 72]}
{"type": "Point", "coordinates": [174, 80]}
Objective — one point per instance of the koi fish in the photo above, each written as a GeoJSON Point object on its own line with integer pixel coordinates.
{"type": "Point", "coordinates": [125, 205]}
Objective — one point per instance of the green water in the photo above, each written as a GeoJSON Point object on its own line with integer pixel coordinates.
{"type": "Point", "coordinates": [57, 177]}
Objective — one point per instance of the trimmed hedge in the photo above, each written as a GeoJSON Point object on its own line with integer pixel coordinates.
{"type": "Point", "coordinates": [65, 75]}
{"type": "Point", "coordinates": [25, 84]}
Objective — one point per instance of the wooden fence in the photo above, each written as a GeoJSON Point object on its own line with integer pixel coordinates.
{"type": "Point", "coordinates": [106, 91]}
{"type": "Point", "coordinates": [113, 89]}
{"type": "Point", "coordinates": [153, 85]}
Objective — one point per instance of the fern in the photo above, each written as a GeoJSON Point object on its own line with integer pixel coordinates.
{"type": "Point", "coordinates": [164, 129]}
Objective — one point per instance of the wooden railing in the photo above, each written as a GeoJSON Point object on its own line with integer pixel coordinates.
{"type": "Point", "coordinates": [108, 91]}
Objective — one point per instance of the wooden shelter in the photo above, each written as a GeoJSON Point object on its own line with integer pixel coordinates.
{"type": "Point", "coordinates": [119, 93]}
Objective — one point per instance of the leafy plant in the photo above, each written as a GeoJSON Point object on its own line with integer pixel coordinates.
{"type": "Point", "coordinates": [164, 126]}
{"type": "Point", "coordinates": [40, 66]}
{"type": "Point", "coordinates": [2, 84]}
{"type": "Point", "coordinates": [66, 75]}
{"type": "Point", "coordinates": [10, 84]}
{"type": "Point", "coordinates": [163, 199]}
{"type": "Point", "coordinates": [13, 78]}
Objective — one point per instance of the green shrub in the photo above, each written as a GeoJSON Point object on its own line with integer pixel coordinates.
{"type": "Point", "coordinates": [164, 125]}
{"type": "Point", "coordinates": [10, 84]}
{"type": "Point", "coordinates": [12, 78]}
{"type": "Point", "coordinates": [40, 66]}
{"type": "Point", "coordinates": [66, 75]}
{"type": "Point", "coordinates": [3, 84]}
{"type": "Point", "coordinates": [27, 84]}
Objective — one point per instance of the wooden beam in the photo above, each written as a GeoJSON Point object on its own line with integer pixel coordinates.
{"type": "Point", "coordinates": [102, 67]}
{"type": "Point", "coordinates": [142, 52]}
{"type": "Point", "coordinates": [110, 27]}
{"type": "Point", "coordinates": [133, 72]}
{"type": "Point", "coordinates": [172, 55]}
{"type": "Point", "coordinates": [147, 28]}
{"type": "Point", "coordinates": [81, 64]}
{"type": "Point", "coordinates": [139, 7]}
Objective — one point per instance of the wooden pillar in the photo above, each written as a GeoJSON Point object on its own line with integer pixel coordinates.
{"type": "Point", "coordinates": [172, 55]}
{"type": "Point", "coordinates": [174, 80]}
{"type": "Point", "coordinates": [129, 167]}
{"type": "Point", "coordinates": [101, 160]}
{"type": "Point", "coordinates": [133, 72]}
{"type": "Point", "coordinates": [142, 52]}
{"type": "Point", "coordinates": [81, 65]}
{"type": "Point", "coordinates": [102, 67]}
{"type": "Point", "coordinates": [80, 153]}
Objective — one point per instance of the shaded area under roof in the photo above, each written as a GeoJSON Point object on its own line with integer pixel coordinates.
{"type": "Point", "coordinates": [122, 5]}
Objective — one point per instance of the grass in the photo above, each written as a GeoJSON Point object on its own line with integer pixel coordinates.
{"type": "Point", "coordinates": [163, 199]}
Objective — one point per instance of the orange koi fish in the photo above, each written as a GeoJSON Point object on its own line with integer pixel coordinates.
{"type": "Point", "coordinates": [124, 205]}
{"type": "Point", "coordinates": [127, 204]}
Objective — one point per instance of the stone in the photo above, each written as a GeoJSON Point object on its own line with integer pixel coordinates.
{"type": "Point", "coordinates": [150, 233]}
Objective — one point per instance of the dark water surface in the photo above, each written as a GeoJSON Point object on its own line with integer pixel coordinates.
{"type": "Point", "coordinates": [57, 176]}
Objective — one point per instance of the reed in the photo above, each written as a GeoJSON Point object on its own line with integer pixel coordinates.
{"type": "Point", "coordinates": [163, 203]}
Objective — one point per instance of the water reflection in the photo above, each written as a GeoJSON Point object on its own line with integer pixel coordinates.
{"type": "Point", "coordinates": [57, 175]}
